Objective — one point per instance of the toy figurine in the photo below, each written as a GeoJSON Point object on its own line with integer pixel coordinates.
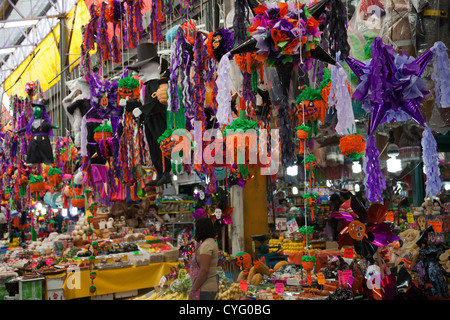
{"type": "Point", "coordinates": [152, 111]}
{"type": "Point", "coordinates": [38, 130]}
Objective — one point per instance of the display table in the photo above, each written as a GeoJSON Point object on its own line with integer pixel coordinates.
{"type": "Point", "coordinates": [109, 281]}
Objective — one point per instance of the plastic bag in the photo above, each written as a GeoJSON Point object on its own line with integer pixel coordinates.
{"type": "Point", "coordinates": [397, 29]}
{"type": "Point", "coordinates": [432, 23]}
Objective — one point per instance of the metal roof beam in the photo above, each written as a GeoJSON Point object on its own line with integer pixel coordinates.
{"type": "Point", "coordinates": [16, 9]}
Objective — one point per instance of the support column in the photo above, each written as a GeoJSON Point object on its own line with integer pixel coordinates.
{"type": "Point", "coordinates": [236, 229]}
{"type": "Point", "coordinates": [255, 209]}
{"type": "Point", "coordinates": [63, 60]}
{"type": "Point", "coordinates": [418, 184]}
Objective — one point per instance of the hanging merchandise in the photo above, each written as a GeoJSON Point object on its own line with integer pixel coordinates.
{"type": "Point", "coordinates": [441, 75]}
{"type": "Point", "coordinates": [152, 113]}
{"type": "Point", "coordinates": [313, 103]}
{"type": "Point", "coordinates": [36, 186]}
{"type": "Point", "coordinates": [310, 164]}
{"type": "Point", "coordinates": [129, 143]}
{"type": "Point", "coordinates": [338, 29]}
{"type": "Point", "coordinates": [352, 146]}
{"type": "Point", "coordinates": [38, 131]}
{"type": "Point", "coordinates": [391, 99]}
{"type": "Point", "coordinates": [156, 17]}
{"type": "Point", "coordinates": [302, 134]}
{"type": "Point", "coordinates": [310, 200]}
{"type": "Point", "coordinates": [372, 232]}
{"type": "Point", "coordinates": [102, 120]}
{"type": "Point", "coordinates": [286, 35]}
{"type": "Point", "coordinates": [339, 97]}
{"type": "Point", "coordinates": [113, 26]}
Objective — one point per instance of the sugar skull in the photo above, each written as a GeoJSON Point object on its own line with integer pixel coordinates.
{"type": "Point", "coordinates": [218, 213]}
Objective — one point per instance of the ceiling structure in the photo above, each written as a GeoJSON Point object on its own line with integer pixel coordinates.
{"type": "Point", "coordinates": [23, 25]}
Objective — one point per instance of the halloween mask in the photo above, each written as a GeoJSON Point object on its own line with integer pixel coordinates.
{"type": "Point", "coordinates": [37, 112]}
{"type": "Point", "coordinates": [219, 42]}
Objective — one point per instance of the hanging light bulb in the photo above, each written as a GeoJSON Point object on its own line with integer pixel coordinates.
{"type": "Point", "coordinates": [394, 164]}
{"type": "Point", "coordinates": [356, 167]}
{"type": "Point", "coordinates": [292, 171]}
{"type": "Point", "coordinates": [74, 211]}
{"type": "Point", "coordinates": [294, 190]}
{"type": "Point", "coordinates": [64, 212]}
{"type": "Point", "coordinates": [357, 187]}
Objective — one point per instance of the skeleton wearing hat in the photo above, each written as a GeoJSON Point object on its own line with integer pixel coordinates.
{"type": "Point", "coordinates": [152, 109]}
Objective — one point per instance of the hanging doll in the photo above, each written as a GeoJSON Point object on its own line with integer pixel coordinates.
{"type": "Point", "coordinates": [104, 106]}
{"type": "Point", "coordinates": [38, 130]}
{"type": "Point", "coordinates": [151, 111]}
{"type": "Point", "coordinates": [77, 104]}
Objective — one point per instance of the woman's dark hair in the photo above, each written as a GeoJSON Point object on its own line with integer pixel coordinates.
{"type": "Point", "coordinates": [335, 197]}
{"type": "Point", "coordinates": [204, 229]}
{"type": "Point", "coordinates": [152, 206]}
{"type": "Point", "coordinates": [345, 194]}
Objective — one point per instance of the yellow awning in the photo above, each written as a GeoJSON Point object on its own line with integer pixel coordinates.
{"type": "Point", "coordinates": [46, 62]}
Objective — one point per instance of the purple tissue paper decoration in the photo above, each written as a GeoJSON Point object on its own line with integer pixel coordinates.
{"type": "Point", "coordinates": [441, 75]}
{"type": "Point", "coordinates": [374, 179]}
{"type": "Point", "coordinates": [431, 164]}
{"type": "Point", "coordinates": [390, 85]}
{"type": "Point", "coordinates": [175, 66]}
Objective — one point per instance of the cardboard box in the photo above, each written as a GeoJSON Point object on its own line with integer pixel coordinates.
{"type": "Point", "coordinates": [56, 294]}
